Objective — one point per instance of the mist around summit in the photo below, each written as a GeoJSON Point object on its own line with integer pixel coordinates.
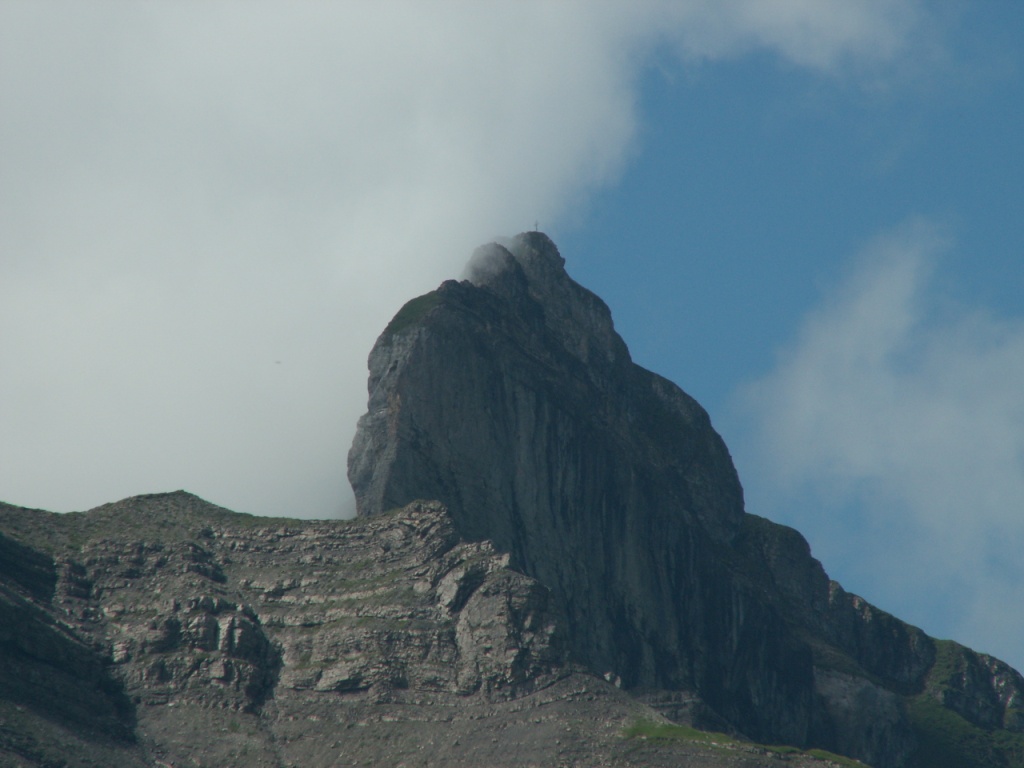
{"type": "Point", "coordinates": [208, 215]}
{"type": "Point", "coordinates": [551, 565]}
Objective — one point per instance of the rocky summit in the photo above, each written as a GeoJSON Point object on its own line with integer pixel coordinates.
{"type": "Point", "coordinates": [551, 566]}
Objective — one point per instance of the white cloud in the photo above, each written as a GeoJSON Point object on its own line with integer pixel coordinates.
{"type": "Point", "coordinates": [892, 434]}
{"type": "Point", "coordinates": [822, 34]}
{"type": "Point", "coordinates": [209, 210]}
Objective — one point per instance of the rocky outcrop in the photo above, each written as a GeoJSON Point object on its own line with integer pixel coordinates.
{"type": "Point", "coordinates": [586, 571]}
{"type": "Point", "coordinates": [48, 668]}
{"type": "Point", "coordinates": [510, 397]}
{"type": "Point", "coordinates": [983, 690]}
{"type": "Point", "coordinates": [513, 401]}
{"type": "Point", "coordinates": [169, 623]}
{"type": "Point", "coordinates": [172, 632]}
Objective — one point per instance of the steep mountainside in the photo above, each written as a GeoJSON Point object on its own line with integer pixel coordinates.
{"type": "Point", "coordinates": [164, 631]}
{"type": "Point", "coordinates": [552, 562]}
{"type": "Point", "coordinates": [510, 398]}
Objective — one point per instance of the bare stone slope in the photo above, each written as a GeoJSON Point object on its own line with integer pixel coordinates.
{"type": "Point", "coordinates": [509, 397]}
{"type": "Point", "coordinates": [165, 631]}
{"type": "Point", "coordinates": [584, 588]}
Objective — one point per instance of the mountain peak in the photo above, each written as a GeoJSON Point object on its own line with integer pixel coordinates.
{"type": "Point", "coordinates": [534, 253]}
{"type": "Point", "coordinates": [514, 402]}
{"type": "Point", "coordinates": [530, 267]}
{"type": "Point", "coordinates": [510, 398]}
{"type": "Point", "coordinates": [542, 523]}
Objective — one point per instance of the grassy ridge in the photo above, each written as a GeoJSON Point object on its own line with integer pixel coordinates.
{"type": "Point", "coordinates": [668, 732]}
{"type": "Point", "coordinates": [411, 312]}
{"type": "Point", "coordinates": [947, 740]}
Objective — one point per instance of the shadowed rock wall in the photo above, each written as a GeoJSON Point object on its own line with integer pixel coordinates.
{"type": "Point", "coordinates": [512, 400]}
{"type": "Point", "coordinates": [509, 397]}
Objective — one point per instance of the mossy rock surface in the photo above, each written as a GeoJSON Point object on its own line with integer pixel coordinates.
{"type": "Point", "coordinates": [670, 732]}
{"type": "Point", "coordinates": [946, 740]}
{"type": "Point", "coordinates": [411, 313]}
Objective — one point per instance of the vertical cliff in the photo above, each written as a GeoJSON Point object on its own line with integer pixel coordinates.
{"type": "Point", "coordinates": [509, 397]}
{"type": "Point", "coordinates": [593, 572]}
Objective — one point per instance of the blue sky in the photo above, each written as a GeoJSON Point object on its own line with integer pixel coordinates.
{"type": "Point", "coordinates": [761, 197]}
{"type": "Point", "coordinates": [804, 212]}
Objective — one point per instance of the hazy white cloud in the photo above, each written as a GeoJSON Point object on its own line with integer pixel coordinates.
{"type": "Point", "coordinates": [209, 210]}
{"type": "Point", "coordinates": [822, 34]}
{"type": "Point", "coordinates": [892, 434]}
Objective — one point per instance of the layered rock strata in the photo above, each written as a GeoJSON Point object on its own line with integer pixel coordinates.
{"type": "Point", "coordinates": [165, 631]}
{"type": "Point", "coordinates": [587, 571]}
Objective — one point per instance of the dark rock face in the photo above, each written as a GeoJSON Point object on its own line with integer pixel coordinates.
{"type": "Point", "coordinates": [177, 627]}
{"type": "Point", "coordinates": [49, 669]}
{"type": "Point", "coordinates": [509, 397]}
{"type": "Point", "coordinates": [592, 574]}
{"type": "Point", "coordinates": [514, 402]}
{"type": "Point", "coordinates": [183, 634]}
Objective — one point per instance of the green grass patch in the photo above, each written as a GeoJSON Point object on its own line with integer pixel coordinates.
{"type": "Point", "coordinates": [832, 757]}
{"type": "Point", "coordinates": [783, 749]}
{"type": "Point", "coordinates": [949, 661]}
{"type": "Point", "coordinates": [948, 741]}
{"type": "Point", "coordinates": [670, 732]}
{"type": "Point", "coordinates": [649, 729]}
{"type": "Point", "coordinates": [412, 312]}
